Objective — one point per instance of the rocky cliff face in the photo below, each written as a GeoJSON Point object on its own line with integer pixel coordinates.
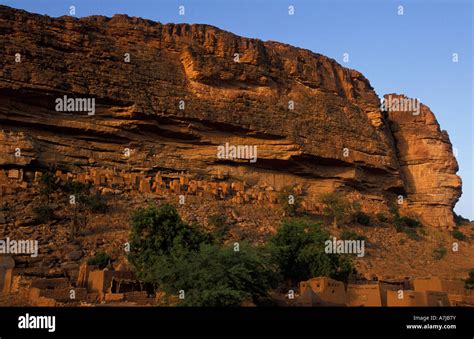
{"type": "Point", "coordinates": [167, 96]}
{"type": "Point", "coordinates": [427, 164]}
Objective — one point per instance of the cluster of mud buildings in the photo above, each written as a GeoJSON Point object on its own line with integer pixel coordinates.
{"type": "Point", "coordinates": [91, 287]}
{"type": "Point", "coordinates": [180, 184]}
{"type": "Point", "coordinates": [120, 287]}
{"type": "Point", "coordinates": [430, 291]}
{"type": "Point", "coordinates": [160, 183]}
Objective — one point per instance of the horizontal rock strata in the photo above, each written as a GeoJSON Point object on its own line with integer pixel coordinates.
{"type": "Point", "coordinates": [167, 96]}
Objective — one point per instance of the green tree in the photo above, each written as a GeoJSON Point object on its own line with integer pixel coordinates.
{"type": "Point", "coordinates": [217, 276]}
{"type": "Point", "coordinates": [299, 248]}
{"type": "Point", "coordinates": [221, 226]}
{"type": "Point", "coordinates": [336, 205]}
{"type": "Point", "coordinates": [94, 203]}
{"type": "Point", "coordinates": [156, 231]}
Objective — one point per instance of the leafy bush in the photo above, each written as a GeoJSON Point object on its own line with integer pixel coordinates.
{"type": "Point", "coordinates": [394, 211]}
{"type": "Point", "coordinates": [439, 252]}
{"type": "Point", "coordinates": [336, 205]}
{"type": "Point", "coordinates": [95, 203]}
{"type": "Point", "coordinates": [75, 187]}
{"type": "Point", "coordinates": [403, 221]}
{"type": "Point", "coordinates": [299, 248]}
{"type": "Point", "coordinates": [382, 217]}
{"type": "Point", "coordinates": [156, 232]}
{"type": "Point", "coordinates": [406, 224]}
{"type": "Point", "coordinates": [290, 210]}
{"type": "Point", "coordinates": [221, 226]}
{"type": "Point", "coordinates": [411, 233]}
{"type": "Point", "coordinates": [349, 235]}
{"type": "Point", "coordinates": [457, 234]}
{"type": "Point", "coordinates": [43, 214]}
{"type": "Point", "coordinates": [216, 276]}
{"type": "Point", "coordinates": [410, 222]}
{"type": "Point", "coordinates": [361, 218]}
{"type": "Point", "coordinates": [100, 260]}
{"type": "Point", "coordinates": [469, 283]}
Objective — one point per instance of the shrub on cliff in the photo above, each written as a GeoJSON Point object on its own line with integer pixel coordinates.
{"type": "Point", "coordinates": [439, 252]}
{"type": "Point", "coordinates": [221, 226]}
{"type": "Point", "coordinates": [381, 217]}
{"type": "Point", "coordinates": [75, 187]}
{"type": "Point", "coordinates": [335, 206]}
{"type": "Point", "coordinates": [404, 221]}
{"type": "Point", "coordinates": [469, 282]}
{"type": "Point", "coordinates": [409, 222]}
{"type": "Point", "coordinates": [299, 248]}
{"type": "Point", "coordinates": [43, 214]}
{"type": "Point", "coordinates": [457, 234]}
{"type": "Point", "coordinates": [101, 260]}
{"type": "Point", "coordinates": [94, 203]}
{"type": "Point", "coordinates": [361, 218]}
{"type": "Point", "coordinates": [288, 202]}
{"type": "Point", "coordinates": [349, 235]}
{"type": "Point", "coordinates": [405, 224]}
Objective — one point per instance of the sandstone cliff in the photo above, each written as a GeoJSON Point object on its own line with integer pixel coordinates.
{"type": "Point", "coordinates": [187, 89]}
{"type": "Point", "coordinates": [427, 164]}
